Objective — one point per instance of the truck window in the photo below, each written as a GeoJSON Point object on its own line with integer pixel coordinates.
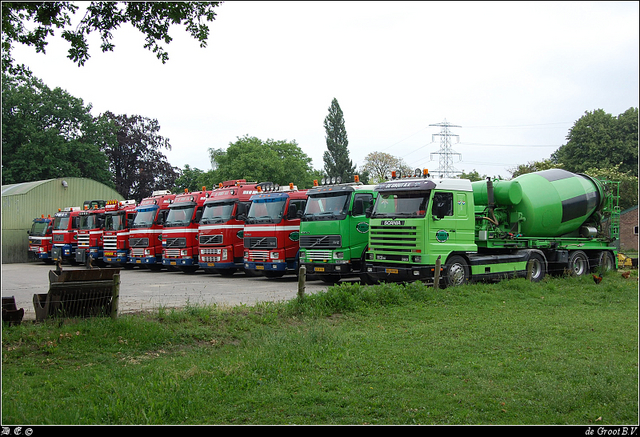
{"type": "Point", "coordinates": [442, 204]}
{"type": "Point", "coordinates": [366, 201]}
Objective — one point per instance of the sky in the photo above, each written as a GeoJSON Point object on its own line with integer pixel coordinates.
{"type": "Point", "coordinates": [514, 76]}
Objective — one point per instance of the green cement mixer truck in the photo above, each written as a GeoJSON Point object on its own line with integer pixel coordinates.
{"type": "Point", "coordinates": [538, 223]}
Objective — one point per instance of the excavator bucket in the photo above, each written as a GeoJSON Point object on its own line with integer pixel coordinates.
{"type": "Point", "coordinates": [79, 293]}
{"type": "Point", "coordinates": [10, 313]}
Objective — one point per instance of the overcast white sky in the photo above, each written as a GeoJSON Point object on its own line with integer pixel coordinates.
{"type": "Point", "coordinates": [514, 75]}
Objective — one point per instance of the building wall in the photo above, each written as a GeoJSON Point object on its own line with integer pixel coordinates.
{"type": "Point", "coordinates": [629, 229]}
{"type": "Point", "coordinates": [21, 203]}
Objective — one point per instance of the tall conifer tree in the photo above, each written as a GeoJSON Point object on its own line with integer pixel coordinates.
{"type": "Point", "coordinates": [336, 158]}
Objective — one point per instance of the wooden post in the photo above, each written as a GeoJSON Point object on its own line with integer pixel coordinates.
{"type": "Point", "coordinates": [529, 270]}
{"type": "Point", "coordinates": [436, 274]}
{"type": "Point", "coordinates": [116, 296]}
{"type": "Point", "coordinates": [302, 278]}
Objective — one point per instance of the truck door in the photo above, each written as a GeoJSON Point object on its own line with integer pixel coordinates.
{"type": "Point", "coordinates": [359, 224]}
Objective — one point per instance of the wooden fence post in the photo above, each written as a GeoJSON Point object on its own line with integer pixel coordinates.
{"type": "Point", "coordinates": [436, 274]}
{"type": "Point", "coordinates": [302, 277]}
{"type": "Point", "coordinates": [116, 296]}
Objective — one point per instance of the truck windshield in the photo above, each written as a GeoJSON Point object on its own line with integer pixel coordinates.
{"type": "Point", "coordinates": [145, 217]}
{"type": "Point", "coordinates": [217, 212]}
{"type": "Point", "coordinates": [266, 210]}
{"type": "Point", "coordinates": [114, 222]}
{"type": "Point", "coordinates": [39, 228]}
{"type": "Point", "coordinates": [89, 221]}
{"type": "Point", "coordinates": [405, 204]}
{"type": "Point", "coordinates": [61, 223]}
{"type": "Point", "coordinates": [179, 216]}
{"type": "Point", "coordinates": [327, 206]}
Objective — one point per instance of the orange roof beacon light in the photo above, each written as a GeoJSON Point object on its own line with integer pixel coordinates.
{"type": "Point", "coordinates": [356, 178]}
{"type": "Point", "coordinates": [291, 185]}
{"type": "Point", "coordinates": [315, 182]}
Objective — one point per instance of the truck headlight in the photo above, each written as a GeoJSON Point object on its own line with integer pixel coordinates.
{"type": "Point", "coordinates": [338, 255]}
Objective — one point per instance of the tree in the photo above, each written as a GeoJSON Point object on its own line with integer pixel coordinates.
{"type": "Point", "coordinates": [379, 165]}
{"type": "Point", "coordinates": [250, 158]}
{"type": "Point", "coordinates": [531, 167]}
{"type": "Point", "coordinates": [193, 179]}
{"type": "Point", "coordinates": [133, 146]}
{"type": "Point", "coordinates": [336, 157]}
{"type": "Point", "coordinates": [48, 134]}
{"type": "Point", "coordinates": [600, 140]}
{"type": "Point", "coordinates": [153, 19]}
{"type": "Point", "coordinates": [628, 188]}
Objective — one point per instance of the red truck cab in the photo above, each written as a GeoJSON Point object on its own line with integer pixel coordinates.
{"type": "Point", "coordinates": [41, 239]}
{"type": "Point", "coordinates": [220, 233]}
{"type": "Point", "coordinates": [90, 232]}
{"type": "Point", "coordinates": [119, 218]}
{"type": "Point", "coordinates": [65, 234]}
{"type": "Point", "coordinates": [145, 235]}
{"type": "Point", "coordinates": [272, 230]}
{"type": "Point", "coordinates": [180, 231]}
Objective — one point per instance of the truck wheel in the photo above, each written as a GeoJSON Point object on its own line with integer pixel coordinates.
{"type": "Point", "coordinates": [578, 263]}
{"type": "Point", "coordinates": [537, 266]}
{"type": "Point", "coordinates": [456, 271]}
{"type": "Point", "coordinates": [606, 261]}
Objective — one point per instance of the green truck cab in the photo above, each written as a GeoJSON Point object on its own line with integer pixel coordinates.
{"type": "Point", "coordinates": [334, 230]}
{"type": "Point", "coordinates": [548, 221]}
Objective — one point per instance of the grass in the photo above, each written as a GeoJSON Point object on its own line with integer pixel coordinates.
{"type": "Point", "coordinates": [563, 351]}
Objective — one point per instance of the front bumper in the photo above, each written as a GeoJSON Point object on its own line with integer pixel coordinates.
{"type": "Point", "coordinates": [399, 273]}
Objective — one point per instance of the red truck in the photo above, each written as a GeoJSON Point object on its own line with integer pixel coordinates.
{"type": "Point", "coordinates": [90, 232]}
{"type": "Point", "coordinates": [180, 231]}
{"type": "Point", "coordinates": [65, 234]}
{"type": "Point", "coordinates": [41, 239]}
{"type": "Point", "coordinates": [119, 218]}
{"type": "Point", "coordinates": [220, 233]}
{"type": "Point", "coordinates": [145, 235]}
{"type": "Point", "coordinates": [272, 230]}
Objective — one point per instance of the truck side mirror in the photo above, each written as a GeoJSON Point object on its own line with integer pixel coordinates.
{"type": "Point", "coordinates": [367, 213]}
{"type": "Point", "coordinates": [358, 207]}
{"type": "Point", "coordinates": [292, 213]}
{"type": "Point", "coordinates": [198, 216]}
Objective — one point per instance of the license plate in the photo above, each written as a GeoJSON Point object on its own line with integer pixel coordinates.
{"type": "Point", "coordinates": [108, 259]}
{"type": "Point", "coordinates": [210, 264]}
{"type": "Point", "coordinates": [319, 269]}
{"type": "Point", "coordinates": [173, 263]}
{"type": "Point", "coordinates": [259, 267]}
{"type": "Point", "coordinates": [138, 261]}
{"type": "Point", "coordinates": [391, 271]}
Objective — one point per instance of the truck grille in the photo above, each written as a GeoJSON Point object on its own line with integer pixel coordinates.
{"type": "Point", "coordinates": [211, 239]}
{"type": "Point", "coordinates": [320, 241]}
{"type": "Point", "coordinates": [138, 242]}
{"type": "Point", "coordinates": [393, 238]}
{"type": "Point", "coordinates": [261, 242]}
{"type": "Point", "coordinates": [137, 252]}
{"type": "Point", "coordinates": [83, 240]}
{"type": "Point", "coordinates": [318, 255]}
{"type": "Point", "coordinates": [172, 253]}
{"type": "Point", "coordinates": [176, 242]}
{"type": "Point", "coordinates": [58, 237]}
{"type": "Point", "coordinates": [259, 255]}
{"type": "Point", "coordinates": [110, 242]}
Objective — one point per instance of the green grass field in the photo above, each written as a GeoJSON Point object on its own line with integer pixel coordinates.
{"type": "Point", "coordinates": [562, 351]}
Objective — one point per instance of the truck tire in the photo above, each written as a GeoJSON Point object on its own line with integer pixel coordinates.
{"type": "Point", "coordinates": [606, 262]}
{"type": "Point", "coordinates": [538, 266]}
{"type": "Point", "coordinates": [578, 263]}
{"type": "Point", "coordinates": [456, 271]}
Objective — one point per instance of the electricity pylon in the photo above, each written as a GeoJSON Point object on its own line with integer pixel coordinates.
{"type": "Point", "coordinates": [446, 153]}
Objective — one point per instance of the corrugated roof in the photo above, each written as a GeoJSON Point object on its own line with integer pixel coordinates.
{"type": "Point", "coordinates": [22, 188]}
